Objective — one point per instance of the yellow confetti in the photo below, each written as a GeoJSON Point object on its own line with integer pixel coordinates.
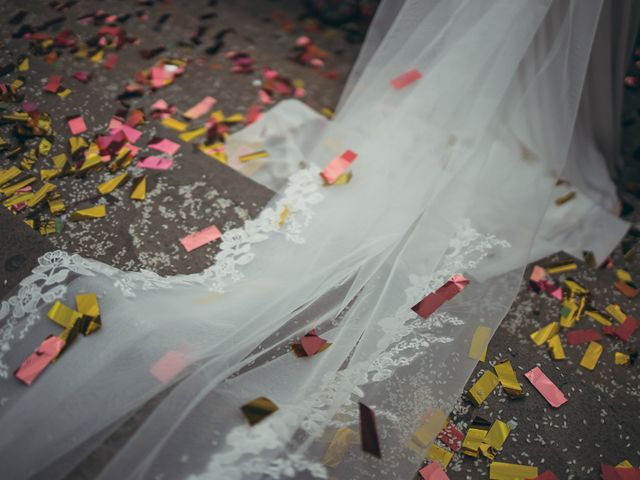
{"type": "Point", "coordinates": [23, 64]}
{"type": "Point", "coordinates": [479, 342]}
{"type": "Point", "coordinates": [569, 313]}
{"type": "Point", "coordinates": [56, 206]}
{"type": "Point", "coordinates": [591, 356]}
{"type": "Point", "coordinates": [545, 333]}
{"type": "Point", "coordinates": [235, 118]}
{"type": "Point", "coordinates": [622, 358]}
{"type": "Point", "coordinates": [110, 185]}
{"type": "Point", "coordinates": [17, 199]}
{"type": "Point", "coordinates": [76, 144]}
{"type": "Point", "coordinates": [98, 211]}
{"type": "Point", "coordinates": [575, 288]}
{"type": "Point", "coordinates": [13, 188]}
{"type": "Point", "coordinates": [482, 388]}
{"type": "Point", "coordinates": [623, 276]}
{"type": "Point", "coordinates": [339, 445]}
{"type": "Point", "coordinates": [87, 305]}
{"type": "Point", "coordinates": [616, 312]}
{"type": "Point", "coordinates": [139, 190]}
{"type": "Point", "coordinates": [41, 194]}
{"type": "Point", "coordinates": [598, 317]}
{"type": "Point", "coordinates": [254, 156]}
{"type": "Point", "coordinates": [283, 216]}
{"type": "Point", "coordinates": [9, 174]}
{"type": "Point", "coordinates": [64, 93]}
{"type": "Point", "coordinates": [511, 471]}
{"type": "Point", "coordinates": [472, 441]}
{"type": "Point", "coordinates": [440, 455]}
{"type": "Point", "coordinates": [192, 134]}
{"type": "Point", "coordinates": [174, 124]}
{"type": "Point", "coordinates": [64, 316]}
{"type": "Point", "coordinates": [555, 348]}
{"type": "Point", "coordinates": [508, 379]}
{"type": "Point", "coordinates": [431, 424]}
{"type": "Point", "coordinates": [562, 268]}
{"type": "Point", "coordinates": [44, 147]}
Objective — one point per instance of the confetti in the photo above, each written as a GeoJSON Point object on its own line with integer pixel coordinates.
{"type": "Point", "coordinates": [578, 337]}
{"type": "Point", "coordinates": [198, 239]}
{"type": "Point", "coordinates": [155, 163]}
{"type": "Point", "coordinates": [407, 78]}
{"type": "Point", "coordinates": [368, 432]}
{"type": "Point", "coordinates": [253, 156]}
{"type": "Point", "coordinates": [87, 305]}
{"type": "Point", "coordinates": [192, 134]}
{"type": "Point", "coordinates": [616, 312]}
{"type": "Point", "coordinates": [337, 166]}
{"type": "Point", "coordinates": [164, 145]}
{"type": "Point", "coordinates": [110, 185]}
{"type": "Point", "coordinates": [200, 108]}
{"type": "Point", "coordinates": [622, 358]}
{"type": "Point", "coordinates": [139, 189]}
{"type": "Point", "coordinates": [548, 475]}
{"type": "Point", "coordinates": [451, 437]}
{"type": "Point", "coordinates": [475, 436]}
{"type": "Point", "coordinates": [479, 343]}
{"type": "Point", "coordinates": [511, 471]}
{"type": "Point", "coordinates": [98, 211]}
{"type": "Point", "coordinates": [482, 388]}
{"type": "Point", "coordinates": [169, 366]}
{"type": "Point", "coordinates": [546, 387]}
{"type": "Point", "coordinates": [433, 301]}
{"type": "Point", "coordinates": [508, 379]}
{"type": "Point", "coordinates": [63, 315]}
{"type": "Point", "coordinates": [174, 124]}
{"type": "Point", "coordinates": [309, 345]}
{"type": "Point", "coordinates": [439, 455]}
{"type": "Point", "coordinates": [338, 447]}
{"type": "Point", "coordinates": [433, 471]}
{"type": "Point", "coordinates": [569, 313]}
{"type": "Point", "coordinates": [610, 472]}
{"type": "Point", "coordinates": [53, 84]}
{"type": "Point", "coordinates": [624, 331]}
{"type": "Point", "coordinates": [258, 409]}
{"type": "Point", "coordinates": [561, 267]}
{"type": "Point", "coordinates": [495, 438]}
{"type": "Point", "coordinates": [35, 364]}
{"type": "Point", "coordinates": [556, 349]}
{"type": "Point", "coordinates": [542, 335]}
{"type": "Point", "coordinates": [598, 317]}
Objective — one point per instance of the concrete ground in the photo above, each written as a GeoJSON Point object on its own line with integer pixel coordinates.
{"type": "Point", "coordinates": [599, 424]}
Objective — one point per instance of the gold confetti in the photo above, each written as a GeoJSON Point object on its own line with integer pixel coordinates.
{"type": "Point", "coordinates": [23, 64]}
{"type": "Point", "coordinates": [555, 348]}
{"type": "Point", "coordinates": [44, 147]}
{"type": "Point", "coordinates": [342, 179]}
{"type": "Point", "coordinates": [13, 188]}
{"type": "Point", "coordinates": [139, 189]}
{"type": "Point", "coordinates": [598, 317]}
{"type": "Point", "coordinates": [476, 434]}
{"type": "Point", "coordinates": [87, 305]}
{"type": "Point", "coordinates": [623, 276]}
{"type": "Point", "coordinates": [431, 423]}
{"type": "Point", "coordinates": [17, 199]}
{"type": "Point", "coordinates": [565, 198]}
{"type": "Point", "coordinates": [254, 156]}
{"type": "Point", "coordinates": [511, 471]}
{"type": "Point", "coordinates": [283, 216]}
{"type": "Point", "coordinates": [622, 358]}
{"type": "Point", "coordinates": [545, 333]}
{"type": "Point", "coordinates": [257, 410]}
{"type": "Point", "coordinates": [616, 312]}
{"type": "Point", "coordinates": [64, 316]}
{"type": "Point", "coordinates": [568, 314]}
{"type": "Point", "coordinates": [110, 185]}
{"type": "Point", "coordinates": [56, 205]}
{"type": "Point", "coordinates": [591, 356]}
{"type": "Point", "coordinates": [440, 455]}
{"type": "Point", "coordinates": [64, 93]}
{"type": "Point", "coordinates": [482, 388]}
{"type": "Point", "coordinates": [174, 124]}
{"type": "Point", "coordinates": [343, 438]}
{"type": "Point", "coordinates": [479, 342]}
{"type": "Point", "coordinates": [47, 227]}
{"type": "Point", "coordinates": [41, 194]}
{"type": "Point", "coordinates": [9, 174]}
{"type": "Point", "coordinates": [76, 144]}
{"type": "Point", "coordinates": [192, 134]}
{"type": "Point", "coordinates": [561, 268]}
{"type": "Point", "coordinates": [235, 118]}
{"type": "Point", "coordinates": [508, 379]}
{"type": "Point", "coordinates": [494, 439]}
{"type": "Point", "coordinates": [575, 288]}
{"type": "Point", "coordinates": [98, 211]}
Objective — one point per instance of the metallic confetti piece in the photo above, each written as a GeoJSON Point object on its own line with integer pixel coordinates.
{"type": "Point", "coordinates": [338, 166]}
{"type": "Point", "coordinates": [198, 239]}
{"type": "Point", "coordinates": [561, 200]}
{"type": "Point", "coordinates": [199, 109]}
{"type": "Point", "coordinates": [578, 337]}
{"type": "Point", "coordinates": [598, 317]}
{"type": "Point", "coordinates": [508, 379]}
{"type": "Point", "coordinates": [284, 214]}
{"type": "Point", "coordinates": [64, 316]}
{"type": "Point", "coordinates": [9, 174]}
{"type": "Point", "coordinates": [87, 305]}
{"type": "Point", "coordinates": [624, 464]}
{"type": "Point", "coordinates": [622, 358]}
{"type": "Point", "coordinates": [569, 313]}
{"type": "Point", "coordinates": [433, 471]}
{"type": "Point", "coordinates": [139, 189]}
{"type": "Point", "coordinates": [113, 183]}
{"type": "Point", "coordinates": [475, 436]}
{"type": "Point", "coordinates": [542, 335]}
{"type": "Point", "coordinates": [44, 147]}
{"type": "Point", "coordinates": [482, 388]}
{"type": "Point", "coordinates": [433, 301]}
{"type": "Point", "coordinates": [368, 431]}
{"type": "Point", "coordinates": [479, 342]}
{"type": "Point", "coordinates": [343, 438]}
{"type": "Point", "coordinates": [164, 145]}
{"type": "Point", "coordinates": [14, 187]}
{"type": "Point", "coordinates": [56, 206]}
{"type": "Point", "coordinates": [35, 363]}
{"type": "Point", "coordinates": [430, 424]}
{"type": "Point", "coordinates": [98, 211]}
{"type": "Point", "coordinates": [169, 365]}
{"type": "Point", "coordinates": [407, 78]}
{"type": "Point", "coordinates": [511, 471]}
{"type": "Point", "coordinates": [451, 437]}
{"type": "Point", "coordinates": [629, 290]}
{"type": "Point", "coordinates": [53, 84]}
{"type": "Point", "coordinates": [440, 455]}
{"type": "Point", "coordinates": [624, 331]}
{"type": "Point", "coordinates": [623, 276]}
{"type": "Point", "coordinates": [616, 312]}
{"type": "Point", "coordinates": [562, 267]}
{"type": "Point", "coordinates": [546, 387]}
{"type": "Point", "coordinates": [343, 179]}
{"type": "Point", "coordinates": [254, 156]}
{"type": "Point", "coordinates": [495, 438]}
{"type": "Point", "coordinates": [23, 64]}
{"type": "Point", "coordinates": [174, 124]}
{"type": "Point", "coordinates": [77, 125]}
{"type": "Point", "coordinates": [16, 199]}
{"type": "Point", "coordinates": [312, 343]}
{"type": "Point", "coordinates": [555, 348]}
{"type": "Point", "coordinates": [155, 163]}
{"type": "Point", "coordinates": [610, 472]}
{"type": "Point", "coordinates": [191, 135]}
{"type": "Point", "coordinates": [257, 410]}
{"type": "Point", "coordinates": [548, 475]}
{"type": "Point", "coordinates": [575, 288]}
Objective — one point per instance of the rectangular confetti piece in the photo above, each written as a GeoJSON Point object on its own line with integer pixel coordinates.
{"type": "Point", "coordinates": [405, 79]}
{"type": "Point", "coordinates": [198, 239]}
{"type": "Point", "coordinates": [591, 356]}
{"type": "Point", "coordinates": [546, 387]}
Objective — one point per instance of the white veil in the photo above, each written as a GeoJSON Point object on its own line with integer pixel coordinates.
{"type": "Point", "coordinates": [454, 175]}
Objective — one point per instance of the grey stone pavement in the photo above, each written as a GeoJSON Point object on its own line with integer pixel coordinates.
{"type": "Point", "coordinates": [601, 421]}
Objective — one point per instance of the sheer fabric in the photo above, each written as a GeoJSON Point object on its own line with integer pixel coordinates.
{"type": "Point", "coordinates": [455, 174]}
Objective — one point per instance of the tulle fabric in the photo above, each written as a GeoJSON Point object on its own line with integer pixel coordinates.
{"type": "Point", "coordinates": [455, 174]}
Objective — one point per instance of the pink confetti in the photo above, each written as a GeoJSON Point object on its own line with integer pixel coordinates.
{"type": "Point", "coordinates": [429, 304]}
{"type": "Point", "coordinates": [53, 84]}
{"type": "Point", "coordinates": [77, 125]}
{"type": "Point", "coordinates": [155, 163]}
{"type": "Point", "coordinates": [170, 365]}
{"type": "Point", "coordinates": [131, 133]}
{"type": "Point", "coordinates": [164, 145]}
{"type": "Point", "coordinates": [198, 239]}
{"type": "Point", "coordinates": [35, 363]}
{"type": "Point", "coordinates": [546, 387]}
{"type": "Point", "coordinates": [82, 76]}
{"type": "Point", "coordinates": [405, 79]}
{"type": "Point", "coordinates": [30, 107]}
{"type": "Point", "coordinates": [111, 61]}
{"type": "Point", "coordinates": [433, 471]}
{"type": "Point", "coordinates": [338, 166]}
{"type": "Point", "coordinates": [199, 109]}
{"type": "Point", "coordinates": [312, 343]}
{"type": "Point", "coordinates": [253, 114]}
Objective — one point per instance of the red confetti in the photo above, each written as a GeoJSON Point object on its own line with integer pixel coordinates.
{"type": "Point", "coordinates": [624, 331]}
{"type": "Point", "coordinates": [338, 166]}
{"type": "Point", "coordinates": [577, 337]}
{"type": "Point", "coordinates": [407, 78]}
{"type": "Point", "coordinates": [433, 471]}
{"type": "Point", "coordinates": [35, 363]}
{"type": "Point", "coordinates": [451, 437]}
{"type": "Point", "coordinates": [53, 84]}
{"type": "Point", "coordinates": [433, 301]}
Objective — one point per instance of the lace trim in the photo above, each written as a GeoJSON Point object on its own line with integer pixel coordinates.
{"type": "Point", "coordinates": [45, 284]}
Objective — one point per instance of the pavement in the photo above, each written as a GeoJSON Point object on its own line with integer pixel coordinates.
{"type": "Point", "coordinates": [600, 422]}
